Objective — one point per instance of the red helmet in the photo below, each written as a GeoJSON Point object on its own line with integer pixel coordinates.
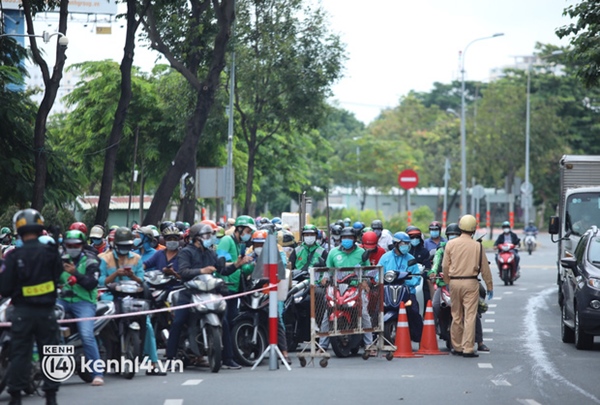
{"type": "Point", "coordinates": [211, 223]}
{"type": "Point", "coordinates": [369, 240]}
{"type": "Point", "coordinates": [79, 226]}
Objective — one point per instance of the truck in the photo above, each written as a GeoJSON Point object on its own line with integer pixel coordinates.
{"type": "Point", "coordinates": [578, 206]}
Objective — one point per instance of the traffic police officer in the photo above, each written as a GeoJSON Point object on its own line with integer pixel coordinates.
{"type": "Point", "coordinates": [464, 258]}
{"type": "Point", "coordinates": [29, 276]}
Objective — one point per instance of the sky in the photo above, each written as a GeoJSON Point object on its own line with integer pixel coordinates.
{"type": "Point", "coordinates": [393, 46]}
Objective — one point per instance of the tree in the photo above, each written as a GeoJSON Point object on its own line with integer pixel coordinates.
{"type": "Point", "coordinates": [287, 60]}
{"type": "Point", "coordinates": [195, 46]}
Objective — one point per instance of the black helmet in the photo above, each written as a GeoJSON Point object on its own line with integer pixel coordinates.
{"type": "Point", "coordinates": [377, 224]}
{"type": "Point", "coordinates": [265, 220]}
{"type": "Point", "coordinates": [180, 225]}
{"type": "Point", "coordinates": [348, 231]}
{"type": "Point", "coordinates": [165, 225]}
{"type": "Point", "coordinates": [28, 220]}
{"type": "Point", "coordinates": [452, 229]}
{"type": "Point", "coordinates": [123, 236]}
{"type": "Point", "coordinates": [340, 223]}
{"type": "Point", "coordinates": [435, 225]}
{"type": "Point", "coordinates": [336, 230]}
{"type": "Point", "coordinates": [200, 229]}
{"type": "Point", "coordinates": [413, 231]}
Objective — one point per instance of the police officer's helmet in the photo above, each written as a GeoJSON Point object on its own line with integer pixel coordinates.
{"type": "Point", "coordinates": [28, 220]}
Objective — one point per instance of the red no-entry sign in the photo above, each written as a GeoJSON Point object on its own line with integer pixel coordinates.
{"type": "Point", "coordinates": [408, 179]}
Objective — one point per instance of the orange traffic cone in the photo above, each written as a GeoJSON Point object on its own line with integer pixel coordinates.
{"type": "Point", "coordinates": [403, 345]}
{"type": "Point", "coordinates": [429, 343]}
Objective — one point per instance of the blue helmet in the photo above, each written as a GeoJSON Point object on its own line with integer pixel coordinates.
{"type": "Point", "coordinates": [276, 220]}
{"type": "Point", "coordinates": [358, 225]}
{"type": "Point", "coordinates": [505, 224]}
{"type": "Point", "coordinates": [401, 237]}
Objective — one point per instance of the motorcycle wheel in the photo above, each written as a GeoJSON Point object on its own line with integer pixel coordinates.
{"type": "Point", "coordinates": [344, 346]}
{"type": "Point", "coordinates": [530, 248]}
{"type": "Point", "coordinates": [505, 276]}
{"type": "Point", "coordinates": [245, 352]}
{"type": "Point", "coordinates": [133, 345]}
{"type": "Point", "coordinates": [214, 349]}
{"type": "Point", "coordinates": [389, 331]}
{"type": "Point", "coordinates": [4, 363]}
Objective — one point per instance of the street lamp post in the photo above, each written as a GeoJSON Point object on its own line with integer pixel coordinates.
{"type": "Point", "coordinates": [46, 36]}
{"type": "Point", "coordinates": [463, 134]}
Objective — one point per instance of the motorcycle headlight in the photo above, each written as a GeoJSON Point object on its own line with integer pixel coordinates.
{"type": "Point", "coordinates": [510, 259]}
{"type": "Point", "coordinates": [351, 304]}
{"type": "Point", "coordinates": [331, 303]}
{"type": "Point", "coordinates": [389, 276]}
{"type": "Point", "coordinates": [298, 300]}
{"type": "Point", "coordinates": [594, 283]}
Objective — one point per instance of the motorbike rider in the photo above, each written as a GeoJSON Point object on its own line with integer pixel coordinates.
{"type": "Point", "coordinates": [308, 253]}
{"type": "Point", "coordinates": [143, 242]}
{"type": "Point", "coordinates": [347, 222]}
{"type": "Point", "coordinates": [121, 263]}
{"type": "Point", "coordinates": [97, 238]}
{"type": "Point", "coordinates": [348, 255]}
{"type": "Point", "coordinates": [421, 254]}
{"type": "Point", "coordinates": [384, 236]}
{"type": "Point", "coordinates": [464, 258]}
{"type": "Point", "coordinates": [336, 237]}
{"type": "Point", "coordinates": [80, 294]}
{"type": "Point", "coordinates": [29, 276]}
{"type": "Point", "coordinates": [322, 240]}
{"type": "Point", "coordinates": [373, 251]}
{"type": "Point", "coordinates": [399, 259]}
{"type": "Point", "coordinates": [508, 236]}
{"type": "Point", "coordinates": [166, 259]}
{"type": "Point", "coordinates": [531, 228]}
{"type": "Point", "coordinates": [195, 259]}
{"type": "Point", "coordinates": [358, 226]}
{"type": "Point", "coordinates": [435, 238]}
{"type": "Point", "coordinates": [6, 238]}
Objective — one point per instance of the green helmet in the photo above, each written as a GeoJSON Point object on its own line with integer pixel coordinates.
{"type": "Point", "coordinates": [366, 229]}
{"type": "Point", "coordinates": [74, 236]}
{"type": "Point", "coordinates": [505, 224]}
{"type": "Point", "coordinates": [245, 220]}
{"type": "Point", "coordinates": [5, 231]}
{"type": "Point", "coordinates": [309, 229]}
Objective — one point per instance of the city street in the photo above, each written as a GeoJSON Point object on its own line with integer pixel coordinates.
{"type": "Point", "coordinates": [528, 364]}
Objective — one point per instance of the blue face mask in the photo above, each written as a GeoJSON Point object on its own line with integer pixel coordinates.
{"type": "Point", "coordinates": [415, 242]}
{"type": "Point", "coordinates": [347, 243]}
{"type": "Point", "coordinates": [137, 242]}
{"type": "Point", "coordinates": [60, 241]}
{"type": "Point", "coordinates": [19, 243]}
{"type": "Point", "coordinates": [207, 243]}
{"type": "Point", "coordinates": [403, 249]}
{"type": "Point", "coordinates": [434, 234]}
{"type": "Point", "coordinates": [245, 237]}
{"type": "Point", "coordinates": [450, 237]}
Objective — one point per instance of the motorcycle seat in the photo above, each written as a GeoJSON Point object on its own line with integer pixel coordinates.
{"type": "Point", "coordinates": [101, 308]}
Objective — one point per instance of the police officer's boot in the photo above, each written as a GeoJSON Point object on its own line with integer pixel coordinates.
{"type": "Point", "coordinates": [15, 398]}
{"type": "Point", "coordinates": [51, 398]}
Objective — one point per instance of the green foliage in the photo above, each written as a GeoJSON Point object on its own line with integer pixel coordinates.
{"type": "Point", "coordinates": [89, 218]}
{"type": "Point", "coordinates": [57, 217]}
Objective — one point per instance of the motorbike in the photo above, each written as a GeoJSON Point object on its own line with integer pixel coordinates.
{"type": "Point", "coordinates": [530, 241]}
{"type": "Point", "coordinates": [70, 335]}
{"type": "Point", "coordinates": [443, 313]}
{"type": "Point", "coordinates": [507, 266]}
{"type": "Point", "coordinates": [123, 339]}
{"type": "Point", "coordinates": [394, 292]}
{"type": "Point", "coordinates": [202, 334]}
{"type": "Point", "coordinates": [161, 286]}
{"type": "Point", "coordinates": [296, 312]}
{"type": "Point", "coordinates": [250, 327]}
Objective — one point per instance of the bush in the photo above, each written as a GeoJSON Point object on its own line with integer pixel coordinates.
{"type": "Point", "coordinates": [54, 218]}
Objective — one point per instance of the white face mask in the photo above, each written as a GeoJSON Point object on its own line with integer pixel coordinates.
{"type": "Point", "coordinates": [310, 240]}
{"type": "Point", "coordinates": [258, 251]}
{"type": "Point", "coordinates": [172, 244]}
{"type": "Point", "coordinates": [506, 230]}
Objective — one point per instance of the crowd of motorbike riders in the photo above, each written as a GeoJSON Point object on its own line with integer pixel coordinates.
{"type": "Point", "coordinates": [98, 257]}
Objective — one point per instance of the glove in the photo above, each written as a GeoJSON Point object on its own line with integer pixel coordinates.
{"type": "Point", "coordinates": [490, 295]}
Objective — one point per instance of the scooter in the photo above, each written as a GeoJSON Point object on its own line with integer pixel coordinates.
{"type": "Point", "coordinates": [443, 313]}
{"type": "Point", "coordinates": [202, 334]}
{"type": "Point", "coordinates": [296, 312]}
{"type": "Point", "coordinates": [507, 266]}
{"type": "Point", "coordinates": [530, 241]}
{"type": "Point", "coordinates": [394, 292]}
{"type": "Point", "coordinates": [161, 286]}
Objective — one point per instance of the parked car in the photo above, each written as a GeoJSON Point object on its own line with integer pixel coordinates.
{"type": "Point", "coordinates": [581, 289]}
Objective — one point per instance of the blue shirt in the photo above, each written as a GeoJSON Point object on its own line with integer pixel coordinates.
{"type": "Point", "coordinates": [159, 261]}
{"type": "Point", "coordinates": [109, 261]}
{"type": "Point", "coordinates": [391, 261]}
{"type": "Point", "coordinates": [430, 244]}
{"type": "Point", "coordinates": [148, 253]}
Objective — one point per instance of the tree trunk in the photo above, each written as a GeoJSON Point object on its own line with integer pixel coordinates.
{"type": "Point", "coordinates": [51, 83]}
{"type": "Point", "coordinates": [204, 101]}
{"type": "Point", "coordinates": [116, 133]}
{"type": "Point", "coordinates": [248, 207]}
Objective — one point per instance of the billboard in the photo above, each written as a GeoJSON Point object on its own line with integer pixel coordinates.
{"type": "Point", "coordinates": [75, 6]}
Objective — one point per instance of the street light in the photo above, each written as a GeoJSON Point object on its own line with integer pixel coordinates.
{"type": "Point", "coordinates": [463, 135]}
{"type": "Point", "coordinates": [46, 36]}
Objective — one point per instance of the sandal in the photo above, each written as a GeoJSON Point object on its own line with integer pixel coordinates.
{"type": "Point", "coordinates": [97, 382]}
{"type": "Point", "coordinates": [155, 371]}
{"type": "Point", "coordinates": [483, 348]}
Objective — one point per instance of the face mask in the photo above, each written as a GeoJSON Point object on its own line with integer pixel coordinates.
{"type": "Point", "coordinates": [73, 252]}
{"type": "Point", "coordinates": [309, 240]}
{"type": "Point", "coordinates": [258, 251]}
{"type": "Point", "coordinates": [215, 240]}
{"type": "Point", "coordinates": [378, 233]}
{"type": "Point", "coordinates": [60, 240]}
{"type": "Point", "coordinates": [19, 243]}
{"type": "Point", "coordinates": [506, 230]}
{"type": "Point", "coordinates": [137, 242]}
{"type": "Point", "coordinates": [172, 244]}
{"type": "Point", "coordinates": [96, 241]}
{"type": "Point", "coordinates": [336, 237]}
{"type": "Point", "coordinates": [434, 234]}
{"type": "Point", "coordinates": [6, 241]}
{"type": "Point", "coordinates": [403, 249]}
{"type": "Point", "coordinates": [245, 237]}
{"type": "Point", "coordinates": [347, 243]}
{"type": "Point", "coordinates": [415, 242]}
{"type": "Point", "coordinates": [123, 250]}
{"type": "Point", "coordinates": [450, 237]}
{"type": "Point", "coordinates": [207, 243]}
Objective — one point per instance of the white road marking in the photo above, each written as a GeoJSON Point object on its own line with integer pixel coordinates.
{"type": "Point", "coordinates": [407, 376]}
{"type": "Point", "coordinates": [192, 382]}
{"type": "Point", "coordinates": [492, 305]}
{"type": "Point", "coordinates": [532, 343]}
{"type": "Point", "coordinates": [529, 401]}
{"type": "Point", "coordinates": [488, 339]}
{"type": "Point", "coordinates": [173, 402]}
{"type": "Point", "coordinates": [502, 383]}
{"type": "Point", "coordinates": [487, 330]}
{"type": "Point", "coordinates": [489, 320]}
{"type": "Point", "coordinates": [522, 289]}
{"type": "Point", "coordinates": [497, 298]}
{"type": "Point", "coordinates": [491, 312]}
{"type": "Point", "coordinates": [484, 365]}
{"type": "Point", "coordinates": [508, 292]}
{"type": "Point", "coordinates": [478, 352]}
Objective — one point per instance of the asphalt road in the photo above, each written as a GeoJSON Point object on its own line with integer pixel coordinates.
{"type": "Point", "coordinates": [528, 364]}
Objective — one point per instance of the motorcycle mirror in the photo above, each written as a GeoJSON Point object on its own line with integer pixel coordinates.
{"type": "Point", "coordinates": [479, 239]}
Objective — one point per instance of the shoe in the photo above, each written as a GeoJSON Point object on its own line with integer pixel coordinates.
{"type": "Point", "coordinates": [201, 362]}
{"type": "Point", "coordinates": [470, 355]}
{"type": "Point", "coordinates": [97, 381]}
{"type": "Point", "coordinates": [155, 371]}
{"type": "Point", "coordinates": [230, 365]}
{"type": "Point", "coordinates": [51, 398]}
{"type": "Point", "coordinates": [483, 348]}
{"type": "Point", "coordinates": [456, 353]}
{"type": "Point", "coordinates": [15, 398]}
